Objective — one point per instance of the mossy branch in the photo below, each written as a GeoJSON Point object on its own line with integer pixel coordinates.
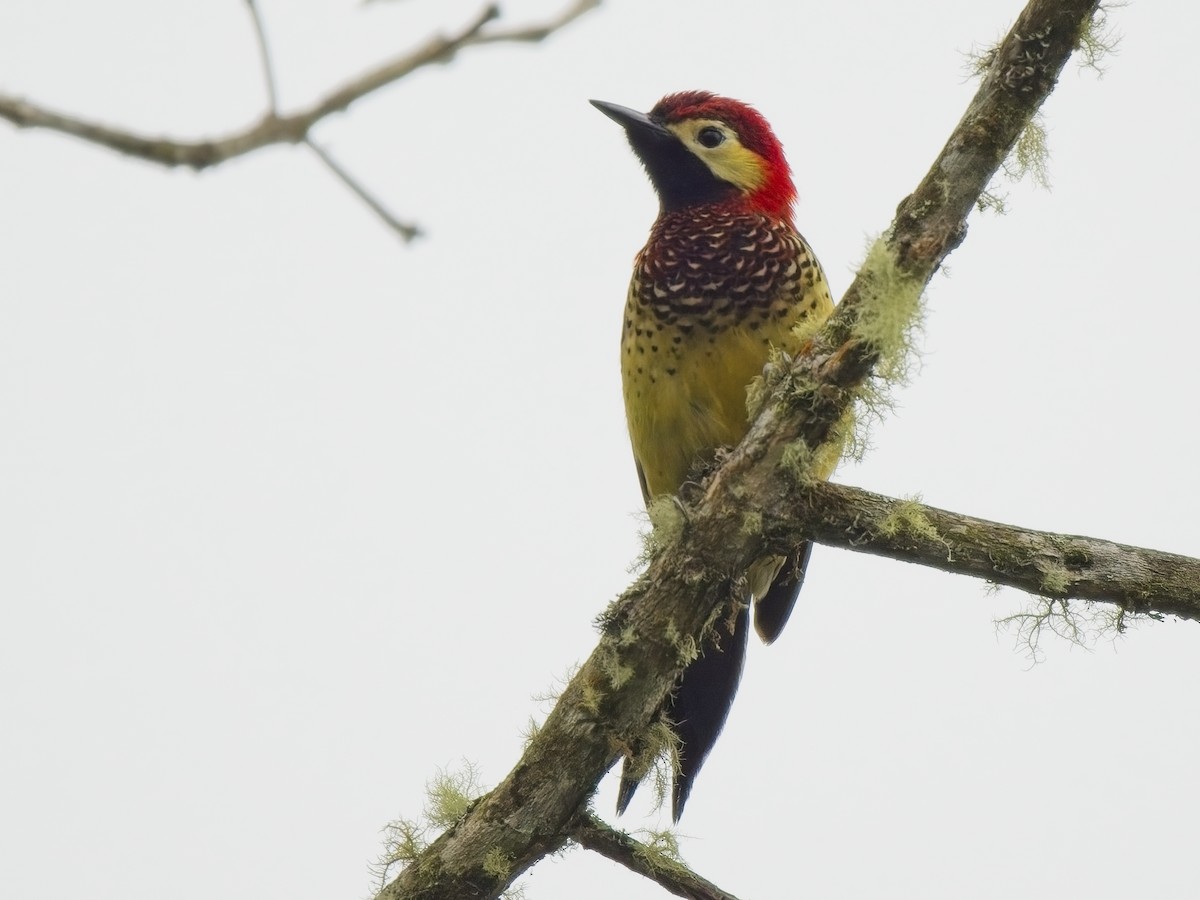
{"type": "Point", "coordinates": [658, 860]}
{"type": "Point", "coordinates": [694, 574]}
{"type": "Point", "coordinates": [1041, 563]}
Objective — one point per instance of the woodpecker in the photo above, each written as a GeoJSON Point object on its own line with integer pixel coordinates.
{"type": "Point", "coordinates": [724, 278]}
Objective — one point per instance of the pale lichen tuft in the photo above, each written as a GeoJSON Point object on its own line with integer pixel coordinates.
{"type": "Point", "coordinates": [450, 794]}
{"type": "Point", "coordinates": [776, 371]}
{"type": "Point", "coordinates": [1078, 624]}
{"type": "Point", "coordinates": [889, 317]}
{"type": "Point", "coordinates": [1098, 39]}
{"type": "Point", "coordinates": [1056, 578]}
{"type": "Point", "coordinates": [655, 756]}
{"type": "Point", "coordinates": [615, 670]}
{"type": "Point", "coordinates": [797, 461]}
{"type": "Point", "coordinates": [908, 517]}
{"type": "Point", "coordinates": [659, 851]}
{"type": "Point", "coordinates": [497, 864]}
{"type": "Point", "coordinates": [667, 522]}
{"type": "Point", "coordinates": [590, 698]}
{"type": "Point", "coordinates": [992, 200]}
{"type": "Point", "coordinates": [1030, 155]}
{"type": "Point", "coordinates": [686, 648]}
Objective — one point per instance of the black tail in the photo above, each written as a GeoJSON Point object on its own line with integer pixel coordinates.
{"type": "Point", "coordinates": [701, 702]}
{"type": "Point", "coordinates": [698, 708]}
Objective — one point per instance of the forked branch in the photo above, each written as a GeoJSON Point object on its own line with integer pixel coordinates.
{"type": "Point", "coordinates": [283, 129]}
{"type": "Point", "coordinates": [650, 630]}
{"type": "Point", "coordinates": [293, 128]}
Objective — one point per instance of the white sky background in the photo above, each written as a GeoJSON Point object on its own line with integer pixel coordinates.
{"type": "Point", "coordinates": [293, 515]}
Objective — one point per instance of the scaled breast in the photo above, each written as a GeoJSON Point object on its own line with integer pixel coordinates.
{"type": "Point", "coordinates": [710, 269]}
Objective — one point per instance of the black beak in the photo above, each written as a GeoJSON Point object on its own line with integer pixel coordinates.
{"type": "Point", "coordinates": [632, 120]}
{"type": "Point", "coordinates": [679, 176]}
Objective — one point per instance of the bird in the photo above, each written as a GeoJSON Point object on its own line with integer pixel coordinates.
{"type": "Point", "coordinates": [721, 284]}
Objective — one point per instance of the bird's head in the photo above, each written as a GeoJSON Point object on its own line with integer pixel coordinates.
{"type": "Point", "coordinates": [701, 149]}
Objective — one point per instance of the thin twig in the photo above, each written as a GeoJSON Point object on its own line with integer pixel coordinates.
{"type": "Point", "coordinates": [282, 129]}
{"type": "Point", "coordinates": [535, 33]}
{"type": "Point", "coordinates": [264, 55]}
{"type": "Point", "coordinates": [438, 49]}
{"type": "Point", "coordinates": [407, 230]}
{"type": "Point", "coordinates": [274, 128]}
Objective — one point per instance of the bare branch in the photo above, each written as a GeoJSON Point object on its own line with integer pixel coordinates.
{"type": "Point", "coordinates": [536, 33]}
{"type": "Point", "coordinates": [673, 876]}
{"type": "Point", "coordinates": [408, 231]}
{"type": "Point", "coordinates": [264, 55]}
{"type": "Point", "coordinates": [439, 49]}
{"type": "Point", "coordinates": [274, 128]}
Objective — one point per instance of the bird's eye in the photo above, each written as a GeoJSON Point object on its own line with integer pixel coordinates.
{"type": "Point", "coordinates": [710, 137]}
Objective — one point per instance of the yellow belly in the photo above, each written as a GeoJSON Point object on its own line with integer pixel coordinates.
{"type": "Point", "coordinates": [685, 394]}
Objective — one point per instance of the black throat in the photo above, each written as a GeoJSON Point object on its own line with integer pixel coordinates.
{"type": "Point", "coordinates": [679, 177]}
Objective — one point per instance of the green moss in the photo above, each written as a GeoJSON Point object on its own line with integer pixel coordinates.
{"type": "Point", "coordinates": [1030, 155]}
{"type": "Point", "coordinates": [654, 754]}
{"type": "Point", "coordinates": [978, 60]}
{"type": "Point", "coordinates": [846, 440]}
{"type": "Point", "coordinates": [448, 797]}
{"type": "Point", "coordinates": [777, 369]}
{"type": "Point", "coordinates": [752, 523]}
{"type": "Point", "coordinates": [908, 517]}
{"type": "Point", "coordinates": [662, 748]}
{"type": "Point", "coordinates": [797, 461]}
{"type": "Point", "coordinates": [615, 670]}
{"type": "Point", "coordinates": [1056, 579]}
{"type": "Point", "coordinates": [667, 518]}
{"type": "Point", "coordinates": [992, 201]}
{"type": "Point", "coordinates": [1098, 39]}
{"type": "Point", "coordinates": [497, 864]}
{"type": "Point", "coordinates": [404, 841]}
{"type": "Point", "coordinates": [667, 522]}
{"type": "Point", "coordinates": [806, 329]}
{"type": "Point", "coordinates": [890, 312]}
{"type": "Point", "coordinates": [1080, 624]}
{"type": "Point", "coordinates": [659, 851]}
{"type": "Point", "coordinates": [450, 794]}
{"type": "Point", "coordinates": [530, 732]}
{"type": "Point", "coordinates": [889, 319]}
{"type": "Point", "coordinates": [550, 695]}
{"type": "Point", "coordinates": [686, 649]}
{"type": "Point", "coordinates": [590, 698]}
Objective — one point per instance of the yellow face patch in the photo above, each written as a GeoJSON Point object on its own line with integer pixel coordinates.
{"type": "Point", "coordinates": [718, 147]}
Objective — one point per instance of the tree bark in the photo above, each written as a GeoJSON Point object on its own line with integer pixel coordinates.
{"type": "Point", "coordinates": [1056, 566]}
